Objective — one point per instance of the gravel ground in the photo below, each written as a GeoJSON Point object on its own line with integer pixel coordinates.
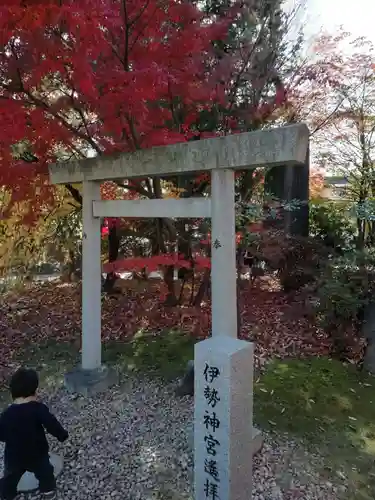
{"type": "Point", "coordinates": [133, 444]}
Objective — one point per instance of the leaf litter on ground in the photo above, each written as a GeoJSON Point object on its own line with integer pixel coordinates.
{"type": "Point", "coordinates": [52, 312]}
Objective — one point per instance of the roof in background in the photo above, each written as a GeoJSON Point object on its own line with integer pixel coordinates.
{"type": "Point", "coordinates": [336, 180]}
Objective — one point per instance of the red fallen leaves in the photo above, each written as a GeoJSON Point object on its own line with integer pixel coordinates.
{"type": "Point", "coordinates": [53, 312]}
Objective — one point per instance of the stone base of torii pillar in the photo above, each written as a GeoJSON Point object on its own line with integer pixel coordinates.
{"type": "Point", "coordinates": [29, 482]}
{"type": "Point", "coordinates": [89, 382]}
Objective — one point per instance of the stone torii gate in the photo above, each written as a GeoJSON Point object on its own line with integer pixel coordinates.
{"type": "Point", "coordinates": [223, 363]}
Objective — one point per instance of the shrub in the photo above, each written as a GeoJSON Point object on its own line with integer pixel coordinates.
{"type": "Point", "coordinates": [297, 260]}
{"type": "Point", "coordinates": [332, 224]}
{"type": "Point", "coordinates": [343, 291]}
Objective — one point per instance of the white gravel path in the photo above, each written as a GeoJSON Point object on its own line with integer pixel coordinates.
{"type": "Point", "coordinates": [133, 444]}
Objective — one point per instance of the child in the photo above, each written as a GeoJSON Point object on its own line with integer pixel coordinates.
{"type": "Point", "coordinates": [22, 429]}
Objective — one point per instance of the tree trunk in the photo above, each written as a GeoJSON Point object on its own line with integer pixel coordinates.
{"type": "Point", "coordinates": [113, 251]}
{"type": "Point", "coordinates": [71, 265]}
{"type": "Point", "coordinates": [361, 234]}
{"type": "Point", "coordinates": [160, 247]}
{"type": "Point", "coordinates": [184, 248]}
{"type": "Point", "coordinates": [72, 269]}
{"type": "Point", "coordinates": [238, 302]}
{"type": "Point", "coordinates": [203, 289]}
{"type": "Point", "coordinates": [171, 299]}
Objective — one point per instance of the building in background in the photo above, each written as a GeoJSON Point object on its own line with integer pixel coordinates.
{"type": "Point", "coordinates": [335, 188]}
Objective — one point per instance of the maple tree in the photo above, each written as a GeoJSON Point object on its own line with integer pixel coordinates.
{"type": "Point", "coordinates": [53, 236]}
{"type": "Point", "coordinates": [79, 78]}
{"type": "Point", "coordinates": [309, 86]}
{"type": "Point", "coordinates": [313, 76]}
{"type": "Point", "coordinates": [323, 91]}
{"type": "Point", "coordinates": [316, 183]}
{"type": "Point", "coordinates": [344, 144]}
{"type": "Point", "coordinates": [336, 98]}
{"type": "Point", "coordinates": [83, 78]}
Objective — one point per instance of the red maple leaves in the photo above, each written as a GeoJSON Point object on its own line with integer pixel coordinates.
{"type": "Point", "coordinates": [90, 77]}
{"type": "Point", "coordinates": [100, 76]}
{"type": "Point", "coordinates": [155, 262]}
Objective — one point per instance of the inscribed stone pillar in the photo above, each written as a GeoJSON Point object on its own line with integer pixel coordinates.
{"type": "Point", "coordinates": [287, 183]}
{"type": "Point", "coordinates": [223, 419]}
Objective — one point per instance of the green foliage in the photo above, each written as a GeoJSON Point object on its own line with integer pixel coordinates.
{"type": "Point", "coordinates": [262, 208]}
{"type": "Point", "coordinates": [345, 288]}
{"type": "Point", "coordinates": [333, 224]}
{"type": "Point", "coordinates": [365, 210]}
{"type": "Point", "coordinates": [12, 283]}
{"type": "Point", "coordinates": [54, 234]}
{"type": "Point", "coordinates": [345, 285]}
{"type": "Point", "coordinates": [304, 260]}
{"type": "Point", "coordinates": [67, 229]}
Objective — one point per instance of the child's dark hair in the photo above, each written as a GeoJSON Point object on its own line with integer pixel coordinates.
{"type": "Point", "coordinates": [24, 383]}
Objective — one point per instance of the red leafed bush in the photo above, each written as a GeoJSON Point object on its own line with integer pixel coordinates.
{"type": "Point", "coordinates": [296, 259]}
{"type": "Point", "coordinates": [156, 262]}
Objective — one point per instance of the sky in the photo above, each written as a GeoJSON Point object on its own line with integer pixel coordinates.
{"type": "Point", "coordinates": [357, 17]}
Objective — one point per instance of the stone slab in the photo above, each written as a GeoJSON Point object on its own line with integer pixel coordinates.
{"type": "Point", "coordinates": [90, 382]}
{"type": "Point", "coordinates": [29, 482]}
{"type": "Point", "coordinates": [194, 207]}
{"type": "Point", "coordinates": [186, 384]}
{"type": "Point", "coordinates": [223, 419]}
{"type": "Point", "coordinates": [275, 147]}
{"type": "Point", "coordinates": [256, 441]}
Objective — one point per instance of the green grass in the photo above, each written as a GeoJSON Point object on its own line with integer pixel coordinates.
{"type": "Point", "coordinates": [332, 408]}
{"type": "Point", "coordinates": [164, 355]}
